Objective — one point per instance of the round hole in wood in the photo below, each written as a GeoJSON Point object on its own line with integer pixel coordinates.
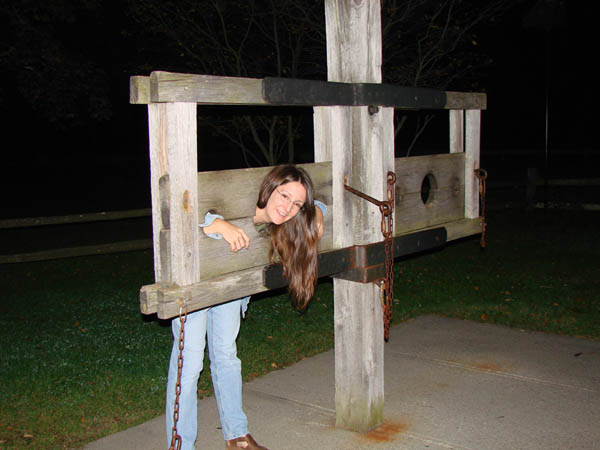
{"type": "Point", "coordinates": [428, 188]}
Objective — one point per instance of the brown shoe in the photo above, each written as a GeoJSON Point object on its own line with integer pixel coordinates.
{"type": "Point", "coordinates": [247, 442]}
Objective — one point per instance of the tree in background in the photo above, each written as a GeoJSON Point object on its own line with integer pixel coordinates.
{"type": "Point", "coordinates": [56, 60]}
{"type": "Point", "coordinates": [68, 60]}
{"type": "Point", "coordinates": [426, 43]}
{"type": "Point", "coordinates": [249, 38]}
{"type": "Point", "coordinates": [435, 44]}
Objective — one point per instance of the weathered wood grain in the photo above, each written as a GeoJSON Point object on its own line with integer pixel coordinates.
{"type": "Point", "coordinates": [170, 87]}
{"type": "Point", "coordinates": [231, 285]}
{"type": "Point", "coordinates": [139, 90]}
{"type": "Point", "coordinates": [205, 89]}
{"type": "Point", "coordinates": [466, 100]}
{"type": "Point", "coordinates": [233, 193]}
{"type": "Point", "coordinates": [472, 162]}
{"type": "Point", "coordinates": [82, 250]}
{"type": "Point", "coordinates": [446, 197]}
{"type": "Point", "coordinates": [223, 261]}
{"type": "Point", "coordinates": [457, 130]}
{"type": "Point", "coordinates": [354, 55]}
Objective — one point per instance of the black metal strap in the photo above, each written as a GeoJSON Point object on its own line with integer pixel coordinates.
{"type": "Point", "coordinates": [363, 263]}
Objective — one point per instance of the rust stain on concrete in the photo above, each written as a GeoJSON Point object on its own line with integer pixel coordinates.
{"type": "Point", "coordinates": [386, 432]}
{"type": "Point", "coordinates": [488, 366]}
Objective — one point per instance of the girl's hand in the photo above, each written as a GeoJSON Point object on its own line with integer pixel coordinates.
{"type": "Point", "coordinates": [235, 236]}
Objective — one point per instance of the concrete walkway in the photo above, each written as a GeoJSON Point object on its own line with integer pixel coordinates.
{"type": "Point", "coordinates": [449, 384]}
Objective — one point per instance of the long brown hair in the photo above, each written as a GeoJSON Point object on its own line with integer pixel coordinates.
{"type": "Point", "coordinates": [294, 242]}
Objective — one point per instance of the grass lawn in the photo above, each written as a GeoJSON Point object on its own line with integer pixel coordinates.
{"type": "Point", "coordinates": [78, 360]}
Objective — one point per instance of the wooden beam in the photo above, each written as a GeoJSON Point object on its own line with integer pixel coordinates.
{"type": "Point", "coordinates": [363, 263]}
{"type": "Point", "coordinates": [174, 188]}
{"type": "Point", "coordinates": [286, 91]}
{"type": "Point", "coordinates": [222, 260]}
{"type": "Point", "coordinates": [235, 201]}
{"type": "Point", "coordinates": [84, 250]}
{"type": "Point", "coordinates": [74, 218]}
{"type": "Point", "coordinates": [250, 281]}
{"type": "Point", "coordinates": [205, 89]}
{"type": "Point", "coordinates": [472, 162]}
{"type": "Point", "coordinates": [457, 130]}
{"type": "Point", "coordinates": [466, 100]}
{"type": "Point", "coordinates": [445, 197]}
{"type": "Point", "coordinates": [354, 56]}
{"type": "Point", "coordinates": [162, 87]}
{"type": "Point", "coordinates": [139, 90]}
{"type": "Point", "coordinates": [233, 193]}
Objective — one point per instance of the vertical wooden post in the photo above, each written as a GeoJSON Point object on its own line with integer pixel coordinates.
{"type": "Point", "coordinates": [472, 162]}
{"type": "Point", "coordinates": [457, 130]}
{"type": "Point", "coordinates": [174, 187]}
{"type": "Point", "coordinates": [360, 143]}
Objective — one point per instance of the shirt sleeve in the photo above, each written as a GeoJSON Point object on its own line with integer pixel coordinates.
{"type": "Point", "coordinates": [322, 206]}
{"type": "Point", "coordinates": [209, 218]}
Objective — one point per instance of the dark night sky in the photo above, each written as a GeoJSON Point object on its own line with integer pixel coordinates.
{"type": "Point", "coordinates": [49, 172]}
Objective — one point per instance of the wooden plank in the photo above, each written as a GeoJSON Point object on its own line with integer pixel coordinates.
{"type": "Point", "coordinates": [183, 193]}
{"type": "Point", "coordinates": [74, 218]}
{"type": "Point", "coordinates": [414, 215]}
{"type": "Point", "coordinates": [457, 130]}
{"type": "Point", "coordinates": [233, 198]}
{"type": "Point", "coordinates": [249, 281]}
{"type": "Point", "coordinates": [472, 162]}
{"type": "Point", "coordinates": [223, 261]}
{"type": "Point", "coordinates": [466, 100]}
{"type": "Point", "coordinates": [233, 193]}
{"type": "Point", "coordinates": [139, 90]}
{"type": "Point", "coordinates": [410, 171]}
{"type": "Point", "coordinates": [173, 179]}
{"type": "Point", "coordinates": [459, 229]}
{"type": "Point", "coordinates": [163, 87]}
{"type": "Point", "coordinates": [159, 168]}
{"type": "Point", "coordinates": [149, 298]}
{"type": "Point", "coordinates": [205, 89]}
{"type": "Point", "coordinates": [445, 200]}
{"type": "Point", "coordinates": [208, 293]}
{"type": "Point", "coordinates": [85, 250]}
{"type": "Point", "coordinates": [288, 91]}
{"type": "Point", "coordinates": [354, 55]}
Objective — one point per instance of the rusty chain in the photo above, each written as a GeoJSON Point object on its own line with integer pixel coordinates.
{"type": "Point", "coordinates": [481, 174]}
{"type": "Point", "coordinates": [175, 438]}
{"type": "Point", "coordinates": [387, 229]}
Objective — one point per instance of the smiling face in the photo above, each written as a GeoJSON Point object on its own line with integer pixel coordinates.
{"type": "Point", "coordinates": [285, 202]}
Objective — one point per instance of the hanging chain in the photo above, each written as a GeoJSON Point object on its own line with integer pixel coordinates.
{"type": "Point", "coordinates": [175, 438]}
{"type": "Point", "coordinates": [387, 229]}
{"type": "Point", "coordinates": [481, 174]}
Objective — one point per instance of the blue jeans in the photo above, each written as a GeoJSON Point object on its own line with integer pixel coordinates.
{"type": "Point", "coordinates": [220, 325]}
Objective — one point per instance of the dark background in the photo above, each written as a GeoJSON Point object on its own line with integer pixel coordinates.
{"type": "Point", "coordinates": [103, 165]}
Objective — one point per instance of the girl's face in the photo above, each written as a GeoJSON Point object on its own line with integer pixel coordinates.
{"type": "Point", "coordinates": [285, 202]}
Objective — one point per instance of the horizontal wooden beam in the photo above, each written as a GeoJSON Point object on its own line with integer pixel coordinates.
{"type": "Point", "coordinates": [236, 198]}
{"type": "Point", "coordinates": [74, 218]}
{"type": "Point", "coordinates": [84, 250]}
{"type": "Point", "coordinates": [162, 87]}
{"type": "Point", "coordinates": [466, 100]}
{"type": "Point", "coordinates": [363, 263]}
{"type": "Point", "coordinates": [164, 300]}
{"type": "Point", "coordinates": [286, 91]}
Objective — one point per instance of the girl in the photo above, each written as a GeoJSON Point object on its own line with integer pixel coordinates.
{"type": "Point", "coordinates": [293, 220]}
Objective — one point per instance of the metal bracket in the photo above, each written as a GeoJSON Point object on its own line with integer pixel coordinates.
{"type": "Point", "coordinates": [362, 263]}
{"type": "Point", "coordinates": [292, 91]}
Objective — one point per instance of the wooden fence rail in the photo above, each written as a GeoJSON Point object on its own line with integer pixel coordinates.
{"type": "Point", "coordinates": [79, 250]}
